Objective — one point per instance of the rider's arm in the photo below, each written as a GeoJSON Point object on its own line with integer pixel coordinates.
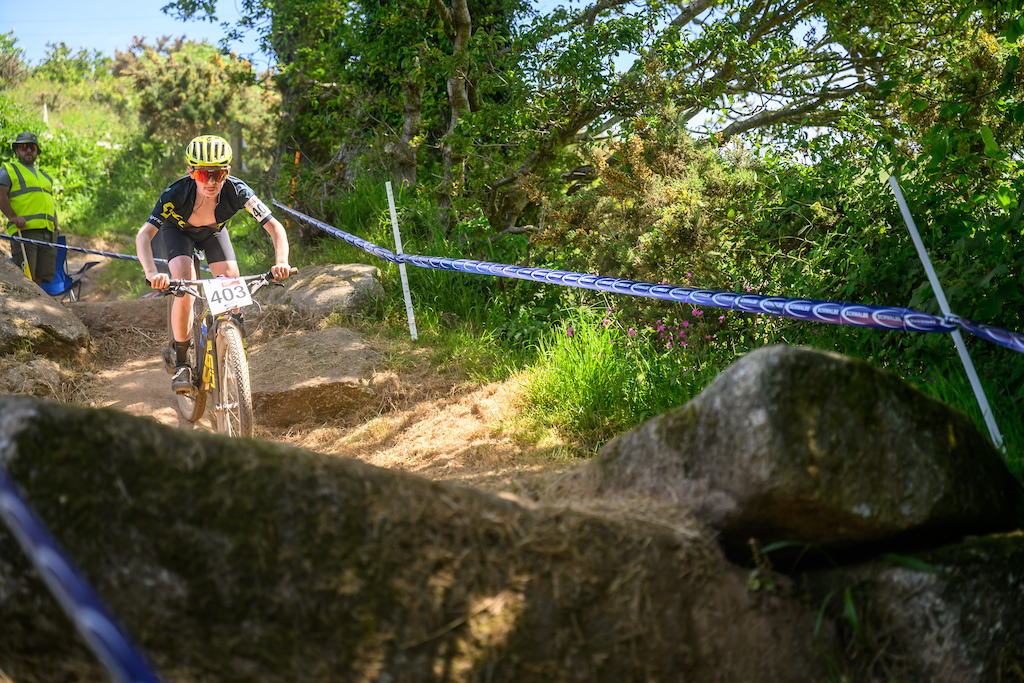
{"type": "Point", "coordinates": [245, 197]}
{"type": "Point", "coordinates": [280, 239]}
{"type": "Point", "coordinates": [144, 250]}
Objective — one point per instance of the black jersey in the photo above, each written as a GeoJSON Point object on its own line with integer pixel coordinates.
{"type": "Point", "coordinates": [179, 199]}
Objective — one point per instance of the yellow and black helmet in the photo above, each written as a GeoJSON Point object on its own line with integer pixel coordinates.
{"type": "Point", "coordinates": [208, 150]}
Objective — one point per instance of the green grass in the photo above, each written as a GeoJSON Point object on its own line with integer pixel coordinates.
{"type": "Point", "coordinates": [594, 378]}
{"type": "Point", "coordinates": [951, 386]}
{"type": "Point", "coordinates": [126, 278]}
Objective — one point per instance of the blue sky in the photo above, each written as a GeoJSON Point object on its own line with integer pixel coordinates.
{"type": "Point", "coordinates": [109, 25]}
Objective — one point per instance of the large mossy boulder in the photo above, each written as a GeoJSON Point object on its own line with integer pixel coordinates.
{"type": "Point", "coordinates": [240, 560]}
{"type": "Point", "coordinates": [793, 444]}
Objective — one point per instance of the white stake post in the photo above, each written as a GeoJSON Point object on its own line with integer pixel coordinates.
{"type": "Point", "coordinates": [401, 266]}
{"type": "Point", "coordinates": [965, 358]}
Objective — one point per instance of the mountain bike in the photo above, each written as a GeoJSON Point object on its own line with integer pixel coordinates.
{"type": "Point", "coordinates": [216, 353]}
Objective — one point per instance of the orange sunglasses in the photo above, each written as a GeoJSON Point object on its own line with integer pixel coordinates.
{"type": "Point", "coordinates": [209, 175]}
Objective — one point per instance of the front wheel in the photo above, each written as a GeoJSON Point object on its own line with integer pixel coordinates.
{"type": "Point", "coordinates": [234, 405]}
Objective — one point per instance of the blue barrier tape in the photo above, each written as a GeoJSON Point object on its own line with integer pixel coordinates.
{"type": "Point", "coordinates": [123, 257]}
{"type": "Point", "coordinates": [341, 234]}
{"type": "Point", "coordinates": [67, 247]}
{"type": "Point", "coordinates": [105, 637]}
{"type": "Point", "coordinates": [810, 310]}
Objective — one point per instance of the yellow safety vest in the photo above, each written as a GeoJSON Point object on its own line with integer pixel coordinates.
{"type": "Point", "coordinates": [31, 196]}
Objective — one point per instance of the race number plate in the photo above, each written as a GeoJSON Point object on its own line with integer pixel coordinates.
{"type": "Point", "coordinates": [223, 294]}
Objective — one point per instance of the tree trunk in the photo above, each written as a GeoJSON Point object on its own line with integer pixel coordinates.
{"type": "Point", "coordinates": [405, 151]}
{"type": "Point", "coordinates": [458, 25]}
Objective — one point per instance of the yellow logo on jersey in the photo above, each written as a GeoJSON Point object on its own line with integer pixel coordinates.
{"type": "Point", "coordinates": [168, 212]}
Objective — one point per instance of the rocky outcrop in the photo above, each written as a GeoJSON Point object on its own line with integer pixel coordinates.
{"type": "Point", "coordinates": [316, 374]}
{"type": "Point", "coordinates": [319, 291]}
{"type": "Point", "coordinates": [793, 444]}
{"type": "Point", "coordinates": [29, 317]}
{"type": "Point", "coordinates": [245, 560]}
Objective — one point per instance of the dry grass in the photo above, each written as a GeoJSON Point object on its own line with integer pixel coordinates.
{"type": "Point", "coordinates": [30, 375]}
{"type": "Point", "coordinates": [442, 427]}
{"type": "Point", "coordinates": [130, 343]}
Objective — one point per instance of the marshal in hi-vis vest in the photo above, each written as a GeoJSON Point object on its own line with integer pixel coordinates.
{"type": "Point", "coordinates": [31, 196]}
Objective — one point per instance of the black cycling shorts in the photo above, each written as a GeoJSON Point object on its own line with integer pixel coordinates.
{"type": "Point", "coordinates": [214, 243]}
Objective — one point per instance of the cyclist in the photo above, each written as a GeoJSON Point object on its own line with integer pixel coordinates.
{"type": "Point", "coordinates": [191, 214]}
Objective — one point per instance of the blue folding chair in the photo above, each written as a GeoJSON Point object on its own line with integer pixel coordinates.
{"type": "Point", "coordinates": [65, 284]}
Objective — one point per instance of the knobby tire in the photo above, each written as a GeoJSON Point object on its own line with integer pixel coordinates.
{"type": "Point", "coordinates": [234, 404]}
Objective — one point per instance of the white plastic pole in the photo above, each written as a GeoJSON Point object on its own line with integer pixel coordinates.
{"type": "Point", "coordinates": [961, 348]}
{"type": "Point", "coordinates": [401, 266]}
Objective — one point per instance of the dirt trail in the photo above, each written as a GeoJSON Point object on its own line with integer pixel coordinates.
{"type": "Point", "coordinates": [424, 421]}
{"type": "Point", "coordinates": [460, 437]}
{"type": "Point", "coordinates": [142, 387]}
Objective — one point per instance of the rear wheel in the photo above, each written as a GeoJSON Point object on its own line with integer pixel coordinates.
{"type": "Point", "coordinates": [192, 405]}
{"type": "Point", "coordinates": [234, 398]}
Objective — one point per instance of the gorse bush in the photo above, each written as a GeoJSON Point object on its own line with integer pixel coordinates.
{"type": "Point", "coordinates": [184, 88]}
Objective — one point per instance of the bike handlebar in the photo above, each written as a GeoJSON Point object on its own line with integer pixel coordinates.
{"type": "Point", "coordinates": [177, 285]}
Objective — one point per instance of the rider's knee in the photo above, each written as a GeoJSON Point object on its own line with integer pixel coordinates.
{"type": "Point", "coordinates": [181, 268]}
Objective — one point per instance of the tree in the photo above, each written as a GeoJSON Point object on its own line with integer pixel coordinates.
{"type": "Point", "coordinates": [511, 99]}
{"type": "Point", "coordinates": [12, 60]}
{"type": "Point", "coordinates": [189, 88]}
{"type": "Point", "coordinates": [61, 66]}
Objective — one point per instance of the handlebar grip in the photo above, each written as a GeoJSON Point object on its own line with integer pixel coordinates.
{"type": "Point", "coordinates": [270, 273]}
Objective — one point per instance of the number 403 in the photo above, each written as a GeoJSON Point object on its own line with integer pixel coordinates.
{"type": "Point", "coordinates": [228, 295]}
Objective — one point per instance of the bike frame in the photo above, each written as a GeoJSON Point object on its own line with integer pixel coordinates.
{"type": "Point", "coordinates": [219, 367]}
